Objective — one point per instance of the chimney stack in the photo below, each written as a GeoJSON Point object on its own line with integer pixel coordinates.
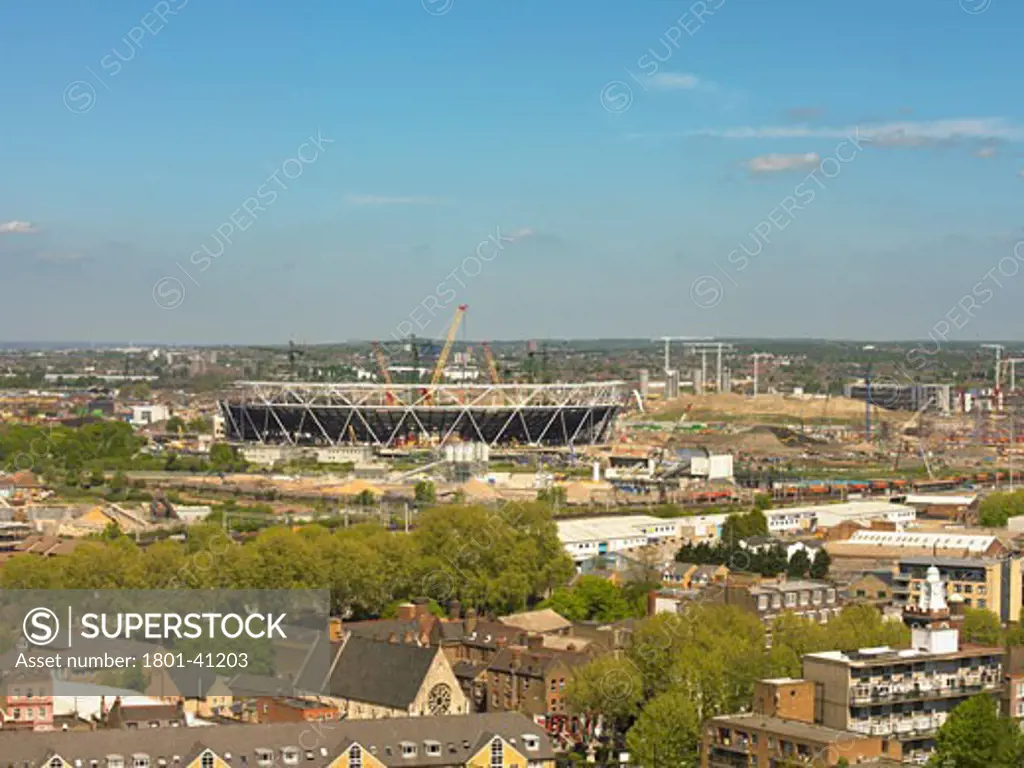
{"type": "Point", "coordinates": [454, 609]}
{"type": "Point", "coordinates": [406, 612]}
{"type": "Point", "coordinates": [469, 623]}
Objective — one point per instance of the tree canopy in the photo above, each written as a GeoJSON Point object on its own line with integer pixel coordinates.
{"type": "Point", "coordinates": [975, 736]}
{"type": "Point", "coordinates": [499, 561]}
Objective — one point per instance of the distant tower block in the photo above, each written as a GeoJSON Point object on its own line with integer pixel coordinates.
{"type": "Point", "coordinates": [672, 385]}
{"type": "Point", "coordinates": [645, 383]}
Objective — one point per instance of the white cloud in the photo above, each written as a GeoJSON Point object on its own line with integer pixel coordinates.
{"type": "Point", "coordinates": [899, 134]}
{"type": "Point", "coordinates": [778, 163]}
{"type": "Point", "coordinates": [392, 200]}
{"type": "Point", "coordinates": [676, 81]}
{"type": "Point", "coordinates": [985, 152]}
{"type": "Point", "coordinates": [522, 234]}
{"type": "Point", "coordinates": [16, 227]}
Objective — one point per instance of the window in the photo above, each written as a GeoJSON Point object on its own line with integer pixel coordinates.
{"type": "Point", "coordinates": [264, 757]}
{"type": "Point", "coordinates": [432, 748]}
{"type": "Point", "coordinates": [16, 714]}
{"type": "Point", "coordinates": [56, 762]}
{"type": "Point", "coordinates": [115, 761]}
{"type": "Point", "coordinates": [290, 755]}
{"type": "Point", "coordinates": [355, 756]}
{"type": "Point", "coordinates": [140, 761]}
{"type": "Point", "coordinates": [42, 713]}
{"type": "Point", "coordinates": [531, 742]}
{"type": "Point", "coordinates": [207, 760]}
{"type": "Point", "coordinates": [497, 754]}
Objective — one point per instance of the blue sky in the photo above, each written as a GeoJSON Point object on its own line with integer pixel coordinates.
{"type": "Point", "coordinates": [618, 152]}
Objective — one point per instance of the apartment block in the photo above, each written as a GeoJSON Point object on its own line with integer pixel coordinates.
{"type": "Point", "coordinates": [994, 584]}
{"type": "Point", "coordinates": [905, 694]}
{"type": "Point", "coordinates": [781, 730]}
{"type": "Point", "coordinates": [770, 598]}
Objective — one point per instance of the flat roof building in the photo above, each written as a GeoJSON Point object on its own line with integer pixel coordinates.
{"type": "Point", "coordinates": [592, 536]}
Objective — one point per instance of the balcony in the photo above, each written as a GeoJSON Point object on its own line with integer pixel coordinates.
{"type": "Point", "coordinates": [880, 694]}
{"type": "Point", "coordinates": [720, 759]}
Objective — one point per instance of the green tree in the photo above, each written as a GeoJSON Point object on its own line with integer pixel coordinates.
{"type": "Point", "coordinates": [175, 424]}
{"type": "Point", "coordinates": [799, 564]}
{"type": "Point", "coordinates": [222, 456]}
{"type": "Point", "coordinates": [592, 599]}
{"type": "Point", "coordinates": [742, 526]}
{"type": "Point", "coordinates": [118, 483]}
{"type": "Point", "coordinates": [821, 565]}
{"type": "Point", "coordinates": [365, 498]}
{"type": "Point", "coordinates": [609, 687]}
{"type": "Point", "coordinates": [667, 732]}
{"type": "Point", "coordinates": [199, 425]}
{"type": "Point", "coordinates": [975, 736]}
{"type": "Point", "coordinates": [997, 508]}
{"type": "Point", "coordinates": [97, 478]}
{"type": "Point", "coordinates": [981, 626]}
{"type": "Point", "coordinates": [762, 501]}
{"type": "Point", "coordinates": [425, 493]}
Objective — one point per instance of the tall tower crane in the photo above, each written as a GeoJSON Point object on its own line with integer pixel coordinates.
{"type": "Point", "coordinates": [442, 359]}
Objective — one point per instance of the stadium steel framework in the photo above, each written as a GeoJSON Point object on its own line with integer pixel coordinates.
{"type": "Point", "coordinates": [378, 414]}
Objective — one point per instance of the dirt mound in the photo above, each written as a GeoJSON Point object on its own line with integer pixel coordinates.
{"type": "Point", "coordinates": [728, 405]}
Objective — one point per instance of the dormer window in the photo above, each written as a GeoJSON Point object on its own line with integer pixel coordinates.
{"type": "Point", "coordinates": [56, 762]}
{"type": "Point", "coordinates": [355, 756]}
{"type": "Point", "coordinates": [290, 755]}
{"type": "Point", "coordinates": [408, 749]}
{"type": "Point", "coordinates": [531, 742]}
{"type": "Point", "coordinates": [140, 761]}
{"type": "Point", "coordinates": [264, 757]}
{"type": "Point", "coordinates": [432, 748]}
{"type": "Point", "coordinates": [115, 761]}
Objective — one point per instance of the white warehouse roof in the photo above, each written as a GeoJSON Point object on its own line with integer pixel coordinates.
{"type": "Point", "coordinates": [933, 541]}
{"type": "Point", "coordinates": [606, 528]}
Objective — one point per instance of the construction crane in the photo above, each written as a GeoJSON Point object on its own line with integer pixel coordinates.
{"type": "Point", "coordinates": [442, 359]}
{"type": "Point", "coordinates": [492, 369]}
{"type": "Point", "coordinates": [385, 374]}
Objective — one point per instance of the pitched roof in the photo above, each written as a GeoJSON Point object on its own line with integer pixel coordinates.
{"type": "Point", "coordinates": [386, 674]}
{"type": "Point", "coordinates": [544, 620]}
{"type": "Point", "coordinates": [457, 734]}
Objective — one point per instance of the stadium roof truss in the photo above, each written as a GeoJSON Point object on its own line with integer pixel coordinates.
{"type": "Point", "coordinates": [338, 414]}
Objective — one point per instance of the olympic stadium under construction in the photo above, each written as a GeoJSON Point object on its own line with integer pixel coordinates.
{"type": "Point", "coordinates": [395, 415]}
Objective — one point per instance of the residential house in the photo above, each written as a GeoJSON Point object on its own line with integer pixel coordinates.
{"type": "Point", "coordinates": [201, 691]}
{"type": "Point", "coordinates": [468, 741]}
{"type": "Point", "coordinates": [692, 576]}
{"type": "Point", "coordinates": [873, 587]}
{"type": "Point", "coordinates": [26, 700]}
{"type": "Point", "coordinates": [274, 709]}
{"type": "Point", "coordinates": [542, 622]}
{"type": "Point", "coordinates": [532, 680]}
{"type": "Point", "coordinates": [135, 716]}
{"type": "Point", "coordinates": [770, 598]}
